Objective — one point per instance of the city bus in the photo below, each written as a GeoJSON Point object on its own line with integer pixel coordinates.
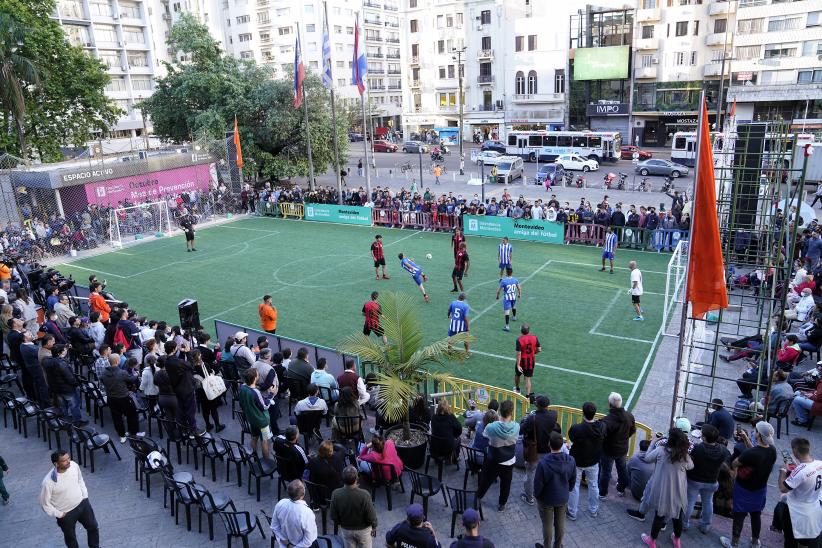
{"type": "Point", "coordinates": [683, 146]}
{"type": "Point", "coordinates": [546, 146]}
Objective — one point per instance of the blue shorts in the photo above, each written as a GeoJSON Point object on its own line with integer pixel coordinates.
{"type": "Point", "coordinates": [504, 265]}
{"type": "Point", "coordinates": [417, 278]}
{"type": "Point", "coordinates": [452, 333]}
{"type": "Point", "coordinates": [608, 255]}
{"type": "Point", "coordinates": [508, 305]}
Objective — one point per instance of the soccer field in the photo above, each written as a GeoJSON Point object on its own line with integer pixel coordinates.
{"type": "Point", "coordinates": [321, 274]}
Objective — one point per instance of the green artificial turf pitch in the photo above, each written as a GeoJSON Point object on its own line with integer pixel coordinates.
{"type": "Point", "coordinates": [321, 274]}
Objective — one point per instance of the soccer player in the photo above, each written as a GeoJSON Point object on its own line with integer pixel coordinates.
{"type": "Point", "coordinates": [456, 240]}
{"type": "Point", "coordinates": [461, 264]}
{"type": "Point", "coordinates": [187, 223]}
{"type": "Point", "coordinates": [416, 273]}
{"type": "Point", "coordinates": [371, 310]}
{"type": "Point", "coordinates": [636, 290]}
{"type": "Point", "coordinates": [379, 258]}
{"type": "Point", "coordinates": [527, 349]}
{"type": "Point", "coordinates": [505, 254]}
{"type": "Point", "coordinates": [512, 291]}
{"type": "Point", "coordinates": [608, 248]}
{"type": "Point", "coordinates": [458, 316]}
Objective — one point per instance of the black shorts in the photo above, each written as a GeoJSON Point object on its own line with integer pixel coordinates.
{"type": "Point", "coordinates": [457, 273]}
{"type": "Point", "coordinates": [379, 262]}
{"type": "Point", "coordinates": [526, 372]}
{"type": "Point", "coordinates": [367, 330]}
{"type": "Point", "coordinates": [635, 299]}
{"type": "Point", "coordinates": [190, 236]}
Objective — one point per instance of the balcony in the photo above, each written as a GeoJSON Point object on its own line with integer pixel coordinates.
{"type": "Point", "coordinates": [389, 7]}
{"type": "Point", "coordinates": [712, 69]}
{"type": "Point", "coordinates": [645, 72]}
{"type": "Point", "coordinates": [393, 56]}
{"type": "Point", "coordinates": [394, 87]}
{"type": "Point", "coordinates": [373, 38]}
{"type": "Point", "coordinates": [391, 24]}
{"type": "Point", "coordinates": [648, 15]}
{"type": "Point", "coordinates": [375, 22]}
{"type": "Point", "coordinates": [393, 40]}
{"type": "Point", "coordinates": [485, 79]}
{"type": "Point", "coordinates": [538, 98]}
{"type": "Point", "coordinates": [262, 2]}
{"type": "Point", "coordinates": [368, 4]}
{"type": "Point", "coordinates": [447, 108]}
{"type": "Point", "coordinates": [715, 39]}
{"type": "Point", "coordinates": [485, 54]}
{"type": "Point", "coordinates": [486, 107]}
{"type": "Point", "coordinates": [415, 84]}
{"type": "Point", "coordinates": [721, 7]}
{"type": "Point", "coordinates": [394, 71]}
{"type": "Point", "coordinates": [647, 44]}
{"type": "Point", "coordinates": [370, 55]}
{"type": "Point", "coordinates": [774, 92]}
{"type": "Point", "coordinates": [414, 61]}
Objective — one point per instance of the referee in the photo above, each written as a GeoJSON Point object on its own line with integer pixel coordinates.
{"type": "Point", "coordinates": [187, 223]}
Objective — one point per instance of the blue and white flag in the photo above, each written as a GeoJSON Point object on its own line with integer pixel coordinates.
{"type": "Point", "coordinates": [328, 80]}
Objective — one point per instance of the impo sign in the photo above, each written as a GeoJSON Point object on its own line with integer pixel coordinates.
{"type": "Point", "coordinates": [612, 109]}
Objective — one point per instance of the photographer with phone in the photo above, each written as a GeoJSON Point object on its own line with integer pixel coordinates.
{"type": "Point", "coordinates": [799, 514]}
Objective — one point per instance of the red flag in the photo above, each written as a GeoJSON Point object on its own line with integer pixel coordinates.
{"type": "Point", "coordinates": [732, 113]}
{"type": "Point", "coordinates": [237, 144]}
{"type": "Point", "coordinates": [299, 74]}
{"type": "Point", "coordinates": [706, 271]}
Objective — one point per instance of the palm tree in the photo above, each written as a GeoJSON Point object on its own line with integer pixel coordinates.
{"type": "Point", "coordinates": [402, 364]}
{"type": "Point", "coordinates": [17, 72]}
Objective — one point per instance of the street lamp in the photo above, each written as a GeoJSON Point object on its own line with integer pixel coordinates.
{"type": "Point", "coordinates": [458, 59]}
{"type": "Point", "coordinates": [419, 150]}
{"type": "Point", "coordinates": [482, 184]}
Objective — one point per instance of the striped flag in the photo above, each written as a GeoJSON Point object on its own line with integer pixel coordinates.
{"type": "Point", "coordinates": [299, 74]}
{"type": "Point", "coordinates": [360, 66]}
{"type": "Point", "coordinates": [328, 80]}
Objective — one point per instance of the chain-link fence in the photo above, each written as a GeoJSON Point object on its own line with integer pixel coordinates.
{"type": "Point", "coordinates": [59, 209]}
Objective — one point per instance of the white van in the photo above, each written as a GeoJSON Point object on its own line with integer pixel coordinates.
{"type": "Point", "coordinates": [509, 169]}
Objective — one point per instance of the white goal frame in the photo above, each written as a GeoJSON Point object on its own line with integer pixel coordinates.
{"type": "Point", "coordinates": [675, 289]}
{"type": "Point", "coordinates": [164, 226]}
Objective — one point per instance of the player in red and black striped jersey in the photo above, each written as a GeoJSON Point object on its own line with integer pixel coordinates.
{"type": "Point", "coordinates": [379, 258]}
{"type": "Point", "coordinates": [461, 264]}
{"type": "Point", "coordinates": [457, 239]}
{"type": "Point", "coordinates": [527, 349]}
{"type": "Point", "coordinates": [371, 310]}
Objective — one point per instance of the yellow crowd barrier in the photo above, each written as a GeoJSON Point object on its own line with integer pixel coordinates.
{"type": "Point", "coordinates": [292, 210]}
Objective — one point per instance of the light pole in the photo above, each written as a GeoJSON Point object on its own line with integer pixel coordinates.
{"type": "Point", "coordinates": [482, 175]}
{"type": "Point", "coordinates": [419, 150]}
{"type": "Point", "coordinates": [458, 58]}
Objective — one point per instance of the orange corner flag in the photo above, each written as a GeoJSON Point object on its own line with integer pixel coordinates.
{"type": "Point", "coordinates": [237, 144]}
{"type": "Point", "coordinates": [706, 270]}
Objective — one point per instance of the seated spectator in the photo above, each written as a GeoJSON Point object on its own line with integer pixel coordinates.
{"type": "Point", "coordinates": [721, 419]}
{"type": "Point", "coordinates": [346, 406]}
{"type": "Point", "coordinates": [639, 471]}
{"type": "Point", "coordinates": [473, 416]}
{"type": "Point", "coordinates": [327, 466]}
{"type": "Point", "coordinates": [322, 378]}
{"type": "Point", "coordinates": [804, 307]}
{"type": "Point", "coordinates": [808, 379]}
{"type": "Point", "coordinates": [447, 429]}
{"type": "Point", "coordinates": [312, 402]}
{"type": "Point", "coordinates": [781, 392]}
{"type": "Point", "coordinates": [807, 404]}
{"type": "Point", "coordinates": [750, 379]}
{"type": "Point", "coordinates": [481, 442]}
{"type": "Point", "coordinates": [299, 369]}
{"type": "Point", "coordinates": [291, 459]}
{"type": "Point", "coordinates": [420, 413]}
{"type": "Point", "coordinates": [292, 521]}
{"type": "Point", "coordinates": [789, 354]}
{"type": "Point", "coordinates": [471, 537]}
{"type": "Point", "coordinates": [350, 378]}
{"type": "Point", "coordinates": [413, 532]}
{"type": "Point", "coordinates": [382, 452]}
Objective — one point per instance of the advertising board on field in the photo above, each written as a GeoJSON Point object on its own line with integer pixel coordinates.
{"type": "Point", "coordinates": [515, 229]}
{"type": "Point", "coordinates": [333, 213]}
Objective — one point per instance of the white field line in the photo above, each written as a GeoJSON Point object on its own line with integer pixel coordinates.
{"type": "Point", "coordinates": [644, 366]}
{"type": "Point", "coordinates": [594, 329]}
{"type": "Point", "coordinates": [496, 303]}
{"type": "Point", "coordinates": [557, 368]}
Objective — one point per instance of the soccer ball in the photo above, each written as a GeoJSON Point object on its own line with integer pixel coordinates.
{"type": "Point", "coordinates": [429, 256]}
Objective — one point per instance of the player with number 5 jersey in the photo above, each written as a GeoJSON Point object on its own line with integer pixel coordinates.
{"type": "Point", "coordinates": [511, 290]}
{"type": "Point", "coordinates": [458, 317]}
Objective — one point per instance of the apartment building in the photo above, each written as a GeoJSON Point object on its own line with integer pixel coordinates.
{"type": "Point", "coordinates": [777, 67]}
{"type": "Point", "coordinates": [679, 46]}
{"type": "Point", "coordinates": [119, 33]}
{"type": "Point", "coordinates": [163, 14]}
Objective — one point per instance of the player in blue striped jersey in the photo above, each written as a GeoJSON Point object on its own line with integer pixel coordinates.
{"type": "Point", "coordinates": [458, 317]}
{"type": "Point", "coordinates": [504, 253]}
{"type": "Point", "coordinates": [512, 291]}
{"type": "Point", "coordinates": [609, 248]}
{"type": "Point", "coordinates": [408, 264]}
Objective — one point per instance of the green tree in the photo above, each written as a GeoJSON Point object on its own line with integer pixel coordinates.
{"type": "Point", "coordinates": [404, 362]}
{"type": "Point", "coordinates": [17, 72]}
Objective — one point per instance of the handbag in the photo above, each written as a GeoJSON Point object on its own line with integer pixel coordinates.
{"type": "Point", "coordinates": [213, 385]}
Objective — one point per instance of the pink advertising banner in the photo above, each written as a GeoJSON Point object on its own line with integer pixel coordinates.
{"type": "Point", "coordinates": [149, 186]}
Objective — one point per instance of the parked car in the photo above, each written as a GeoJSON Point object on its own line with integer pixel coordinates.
{"type": "Point", "coordinates": [661, 167]}
{"type": "Point", "coordinates": [571, 162]}
{"type": "Point", "coordinates": [355, 137]}
{"type": "Point", "coordinates": [384, 146]}
{"type": "Point", "coordinates": [488, 157]}
{"type": "Point", "coordinates": [552, 172]}
{"type": "Point", "coordinates": [627, 153]}
{"type": "Point", "coordinates": [414, 146]}
{"type": "Point", "coordinates": [496, 146]}
{"type": "Point", "coordinates": [509, 169]}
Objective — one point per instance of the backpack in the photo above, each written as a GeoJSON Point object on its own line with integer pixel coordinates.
{"type": "Point", "coordinates": [120, 338]}
{"type": "Point", "coordinates": [741, 411]}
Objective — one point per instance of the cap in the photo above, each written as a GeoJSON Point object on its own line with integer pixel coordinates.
{"type": "Point", "coordinates": [765, 432]}
{"type": "Point", "coordinates": [415, 513]}
{"type": "Point", "coordinates": [683, 424]}
{"type": "Point", "coordinates": [470, 518]}
{"type": "Point", "coordinates": [542, 401]}
{"type": "Point", "coordinates": [239, 335]}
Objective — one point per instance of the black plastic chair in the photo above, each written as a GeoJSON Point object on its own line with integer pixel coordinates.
{"type": "Point", "coordinates": [297, 390]}
{"type": "Point", "coordinates": [259, 468]}
{"type": "Point", "coordinates": [309, 423]}
{"type": "Point", "coordinates": [460, 500]}
{"type": "Point", "coordinates": [99, 401]}
{"type": "Point", "coordinates": [236, 453]}
{"type": "Point", "coordinates": [209, 504]}
{"type": "Point", "coordinates": [327, 395]}
{"type": "Point", "coordinates": [781, 414]}
{"type": "Point", "coordinates": [441, 451]}
{"type": "Point", "coordinates": [91, 441]}
{"type": "Point", "coordinates": [55, 425]}
{"type": "Point", "coordinates": [240, 524]}
{"type": "Point", "coordinates": [473, 463]}
{"type": "Point", "coordinates": [319, 499]}
{"type": "Point", "coordinates": [384, 475]}
{"type": "Point", "coordinates": [245, 426]}
{"type": "Point", "coordinates": [350, 429]}
{"type": "Point", "coordinates": [425, 486]}
{"type": "Point", "coordinates": [25, 409]}
{"type": "Point", "coordinates": [209, 449]}
{"type": "Point", "coordinates": [141, 448]}
{"type": "Point", "coordinates": [9, 374]}
{"type": "Point", "coordinates": [175, 434]}
{"type": "Point", "coordinates": [181, 493]}
{"type": "Point", "coordinates": [7, 401]}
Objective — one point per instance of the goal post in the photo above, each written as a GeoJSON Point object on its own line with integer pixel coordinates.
{"type": "Point", "coordinates": [133, 223]}
{"type": "Point", "coordinates": [675, 289]}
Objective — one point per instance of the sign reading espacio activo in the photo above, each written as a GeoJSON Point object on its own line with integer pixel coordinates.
{"type": "Point", "coordinates": [87, 174]}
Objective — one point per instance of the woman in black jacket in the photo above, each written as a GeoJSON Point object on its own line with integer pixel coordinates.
{"type": "Point", "coordinates": [166, 396]}
{"type": "Point", "coordinates": [208, 407]}
{"type": "Point", "coordinates": [446, 429]}
{"type": "Point", "coordinates": [326, 468]}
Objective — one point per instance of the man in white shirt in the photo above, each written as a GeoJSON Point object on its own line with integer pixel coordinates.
{"type": "Point", "coordinates": [311, 403]}
{"type": "Point", "coordinates": [64, 496]}
{"type": "Point", "coordinates": [636, 290]}
{"type": "Point", "coordinates": [803, 488]}
{"type": "Point", "coordinates": [292, 521]}
{"type": "Point", "coordinates": [803, 308]}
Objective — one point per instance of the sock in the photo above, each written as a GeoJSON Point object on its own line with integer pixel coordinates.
{"type": "Point", "coordinates": [514, 312]}
{"type": "Point", "coordinates": [506, 319]}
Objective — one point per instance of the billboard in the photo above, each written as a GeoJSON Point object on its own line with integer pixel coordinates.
{"type": "Point", "coordinates": [147, 187]}
{"type": "Point", "coordinates": [609, 63]}
{"type": "Point", "coordinates": [516, 229]}
{"type": "Point", "coordinates": [332, 213]}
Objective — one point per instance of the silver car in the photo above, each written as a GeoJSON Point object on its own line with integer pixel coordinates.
{"type": "Point", "coordinates": [655, 166]}
{"type": "Point", "coordinates": [414, 146]}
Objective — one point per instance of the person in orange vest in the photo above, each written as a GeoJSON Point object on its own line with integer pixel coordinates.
{"type": "Point", "coordinates": [268, 315]}
{"type": "Point", "coordinates": [5, 272]}
{"type": "Point", "coordinates": [97, 303]}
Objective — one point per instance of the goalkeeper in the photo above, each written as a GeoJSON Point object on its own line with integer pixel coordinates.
{"type": "Point", "coordinates": [187, 223]}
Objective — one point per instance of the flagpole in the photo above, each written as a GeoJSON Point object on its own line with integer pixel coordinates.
{"type": "Point", "coordinates": [307, 132]}
{"type": "Point", "coordinates": [364, 123]}
{"type": "Point", "coordinates": [333, 114]}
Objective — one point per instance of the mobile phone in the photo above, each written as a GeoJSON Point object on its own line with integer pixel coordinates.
{"type": "Point", "coordinates": [786, 456]}
{"type": "Point", "coordinates": [739, 428]}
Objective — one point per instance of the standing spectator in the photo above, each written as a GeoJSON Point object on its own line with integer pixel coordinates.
{"type": "Point", "coordinates": [242, 355]}
{"type": "Point", "coordinates": [721, 419]}
{"type": "Point", "coordinates": [34, 380]}
{"type": "Point", "coordinates": [63, 495]}
{"type": "Point", "coordinates": [182, 379]}
{"type": "Point", "coordinates": [753, 467]}
{"type": "Point", "coordinates": [707, 457]}
{"type": "Point", "coordinates": [63, 385]}
{"type": "Point", "coordinates": [256, 412]}
{"type": "Point", "coordinates": [536, 431]}
{"type": "Point", "coordinates": [471, 538]}
{"type": "Point", "coordinates": [147, 386]}
{"type": "Point", "coordinates": [802, 487]}
{"type": "Point", "coordinates": [28, 310]}
{"type": "Point", "coordinates": [268, 315]}
{"type": "Point", "coordinates": [97, 303]}
{"type": "Point", "coordinates": [4, 469]}
{"type": "Point", "coordinates": [639, 471]}
{"type": "Point", "coordinates": [413, 532]}
{"type": "Point", "coordinates": [96, 329]}
{"type": "Point", "coordinates": [292, 521]}
{"type": "Point", "coordinates": [117, 383]}
{"type": "Point", "coordinates": [353, 511]}
{"type": "Point", "coordinates": [586, 438]}
{"type": "Point", "coordinates": [553, 482]}
{"type": "Point", "coordinates": [499, 462]}
{"type": "Point", "coordinates": [208, 407]}
{"type": "Point", "coordinates": [63, 310]}
{"type": "Point", "coordinates": [14, 339]}
{"type": "Point", "coordinates": [669, 489]}
{"type": "Point", "coordinates": [813, 251]}
{"type": "Point", "coordinates": [619, 427]}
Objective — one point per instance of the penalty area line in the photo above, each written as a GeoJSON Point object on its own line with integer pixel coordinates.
{"type": "Point", "coordinates": [556, 368]}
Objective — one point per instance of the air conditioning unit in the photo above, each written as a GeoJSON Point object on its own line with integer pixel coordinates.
{"type": "Point", "coordinates": [87, 44]}
{"type": "Point", "coordinates": [116, 17]}
{"type": "Point", "coordinates": [124, 67]}
{"type": "Point", "coordinates": [499, 104]}
{"type": "Point", "coordinates": [655, 60]}
{"type": "Point", "coordinates": [121, 44]}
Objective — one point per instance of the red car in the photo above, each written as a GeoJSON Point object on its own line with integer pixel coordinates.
{"type": "Point", "coordinates": [384, 146]}
{"type": "Point", "coordinates": [627, 153]}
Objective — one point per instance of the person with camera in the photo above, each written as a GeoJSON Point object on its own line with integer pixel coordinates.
{"type": "Point", "coordinates": [799, 514]}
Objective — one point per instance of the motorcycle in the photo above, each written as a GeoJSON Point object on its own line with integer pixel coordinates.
{"type": "Point", "coordinates": [580, 182]}
{"type": "Point", "coordinates": [436, 157]}
{"type": "Point", "coordinates": [568, 179]}
{"type": "Point", "coordinates": [644, 186]}
{"type": "Point", "coordinates": [621, 183]}
{"type": "Point", "coordinates": [609, 179]}
{"type": "Point", "coordinates": [668, 186]}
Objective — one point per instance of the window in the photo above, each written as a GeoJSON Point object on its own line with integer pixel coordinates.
{"type": "Point", "coordinates": [341, 82]}
{"type": "Point", "coordinates": [459, 20]}
{"type": "Point", "coordinates": [809, 77]}
{"type": "Point", "coordinates": [141, 83]}
{"type": "Point", "coordinates": [648, 4]}
{"type": "Point", "coordinates": [519, 83]}
{"type": "Point", "coordinates": [693, 58]}
{"type": "Point", "coordinates": [485, 17]}
{"type": "Point", "coordinates": [532, 82]}
{"type": "Point", "coordinates": [263, 17]}
{"type": "Point", "coordinates": [308, 8]}
{"type": "Point", "coordinates": [312, 46]}
{"type": "Point", "coordinates": [284, 31]}
{"type": "Point", "coordinates": [310, 28]}
{"type": "Point", "coordinates": [247, 54]}
{"type": "Point", "coordinates": [283, 12]}
{"type": "Point", "coordinates": [813, 47]}
{"type": "Point", "coordinates": [246, 37]}
{"type": "Point", "coordinates": [100, 7]}
{"type": "Point", "coordinates": [412, 3]}
{"type": "Point", "coordinates": [486, 42]}
{"type": "Point", "coordinates": [413, 25]}
{"type": "Point", "coordinates": [243, 19]}
{"type": "Point", "coordinates": [646, 94]}
{"type": "Point", "coordinates": [681, 28]}
{"type": "Point", "coordinates": [747, 52]}
{"type": "Point", "coordinates": [777, 76]}
{"type": "Point", "coordinates": [679, 58]}
{"type": "Point", "coordinates": [451, 73]}
{"type": "Point", "coordinates": [313, 64]}
{"type": "Point", "coordinates": [104, 33]}
{"type": "Point", "coordinates": [449, 21]}
{"type": "Point", "coordinates": [532, 42]}
{"type": "Point", "coordinates": [415, 50]}
{"type": "Point", "coordinates": [137, 59]}
{"type": "Point", "coordinates": [485, 69]}
{"type": "Point", "coordinates": [696, 28]}
{"type": "Point", "coordinates": [720, 25]}
{"type": "Point", "coordinates": [110, 58]}
{"type": "Point", "coordinates": [814, 19]}
{"type": "Point", "coordinates": [442, 72]}
{"type": "Point", "coordinates": [750, 26]}
{"type": "Point", "coordinates": [133, 35]}
{"type": "Point", "coordinates": [129, 9]}
{"type": "Point", "coordinates": [116, 84]}
{"type": "Point", "coordinates": [518, 43]}
{"type": "Point", "coordinates": [774, 51]}
{"type": "Point", "coordinates": [440, 46]}
{"type": "Point", "coordinates": [267, 55]}
{"type": "Point", "coordinates": [646, 60]}
{"type": "Point", "coordinates": [349, 30]}
{"type": "Point", "coordinates": [783, 23]}
{"type": "Point", "coordinates": [440, 21]}
{"type": "Point", "coordinates": [647, 31]}
{"type": "Point", "coordinates": [337, 29]}
{"type": "Point", "coordinates": [559, 81]}
{"type": "Point", "coordinates": [717, 55]}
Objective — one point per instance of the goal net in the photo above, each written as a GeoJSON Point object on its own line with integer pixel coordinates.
{"type": "Point", "coordinates": [675, 289]}
{"type": "Point", "coordinates": [129, 224]}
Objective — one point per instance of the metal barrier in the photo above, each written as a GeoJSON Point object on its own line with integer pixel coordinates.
{"type": "Point", "coordinates": [463, 390]}
{"type": "Point", "coordinates": [267, 208]}
{"type": "Point", "coordinates": [292, 210]}
{"type": "Point", "coordinates": [584, 233]}
{"type": "Point", "coordinates": [658, 239]}
{"type": "Point", "coordinates": [569, 416]}
{"type": "Point", "coordinates": [415, 219]}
